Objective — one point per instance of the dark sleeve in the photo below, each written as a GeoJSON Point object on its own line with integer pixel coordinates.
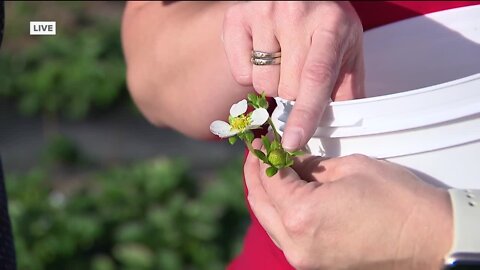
{"type": "Point", "coordinates": [7, 249]}
{"type": "Point", "coordinates": [2, 19]}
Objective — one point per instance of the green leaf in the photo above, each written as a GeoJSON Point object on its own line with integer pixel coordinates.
{"type": "Point", "coordinates": [297, 153]}
{"type": "Point", "coordinates": [232, 140]}
{"type": "Point", "coordinates": [260, 155]}
{"type": "Point", "coordinates": [266, 143]}
{"type": "Point", "coordinates": [271, 171]}
{"type": "Point", "coordinates": [249, 136]}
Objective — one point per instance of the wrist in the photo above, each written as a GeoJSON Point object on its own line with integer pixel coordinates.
{"type": "Point", "coordinates": [437, 231]}
{"type": "Point", "coordinates": [427, 234]}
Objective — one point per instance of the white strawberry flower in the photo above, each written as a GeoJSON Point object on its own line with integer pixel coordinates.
{"type": "Point", "coordinates": [238, 121]}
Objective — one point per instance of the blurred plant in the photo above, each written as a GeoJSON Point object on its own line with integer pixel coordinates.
{"type": "Point", "coordinates": [66, 75]}
{"type": "Point", "coordinates": [148, 216]}
{"type": "Point", "coordinates": [69, 74]}
{"type": "Point", "coordinates": [61, 150]}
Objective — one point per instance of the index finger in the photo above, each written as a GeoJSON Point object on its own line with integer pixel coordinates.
{"type": "Point", "coordinates": [319, 76]}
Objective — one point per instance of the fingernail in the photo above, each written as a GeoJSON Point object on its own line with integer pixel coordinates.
{"type": "Point", "coordinates": [291, 139]}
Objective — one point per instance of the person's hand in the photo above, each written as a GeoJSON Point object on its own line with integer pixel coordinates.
{"type": "Point", "coordinates": [321, 56]}
{"type": "Point", "coordinates": [352, 212]}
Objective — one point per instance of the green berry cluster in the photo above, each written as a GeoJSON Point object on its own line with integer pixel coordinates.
{"type": "Point", "coordinates": [276, 157]}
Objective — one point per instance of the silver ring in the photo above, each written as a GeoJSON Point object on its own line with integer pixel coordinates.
{"type": "Point", "coordinates": [265, 55]}
{"type": "Point", "coordinates": [264, 62]}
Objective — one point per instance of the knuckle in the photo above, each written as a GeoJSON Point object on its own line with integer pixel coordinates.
{"type": "Point", "coordinates": [296, 222]}
{"type": "Point", "coordinates": [358, 158]}
{"type": "Point", "coordinates": [318, 72]}
{"type": "Point", "coordinates": [263, 9]}
{"type": "Point", "coordinates": [232, 14]}
{"type": "Point", "coordinates": [229, 16]}
{"type": "Point", "coordinates": [343, 169]}
{"type": "Point", "coordinates": [293, 10]}
{"type": "Point", "coordinates": [352, 164]}
{"type": "Point", "coordinates": [337, 13]}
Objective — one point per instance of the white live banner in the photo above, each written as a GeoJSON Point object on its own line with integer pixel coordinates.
{"type": "Point", "coordinates": [44, 28]}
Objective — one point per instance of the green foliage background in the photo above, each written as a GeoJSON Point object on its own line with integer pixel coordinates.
{"type": "Point", "coordinates": [152, 214]}
{"type": "Point", "coordinates": [66, 75]}
{"type": "Point", "coordinates": [70, 74]}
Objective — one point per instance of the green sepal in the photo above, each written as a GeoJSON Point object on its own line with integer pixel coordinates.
{"type": "Point", "coordinates": [297, 153]}
{"type": "Point", "coordinates": [271, 171]}
{"type": "Point", "coordinates": [232, 140]}
{"type": "Point", "coordinates": [275, 145]}
{"type": "Point", "coordinates": [289, 162]}
{"type": "Point", "coordinates": [253, 100]}
{"type": "Point", "coordinates": [263, 103]}
{"type": "Point", "coordinates": [260, 155]}
{"type": "Point", "coordinates": [266, 143]}
{"type": "Point", "coordinates": [249, 136]}
{"type": "Point", "coordinates": [252, 97]}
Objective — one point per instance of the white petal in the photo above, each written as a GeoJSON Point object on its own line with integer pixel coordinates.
{"type": "Point", "coordinates": [238, 108]}
{"type": "Point", "coordinates": [258, 117]}
{"type": "Point", "coordinates": [222, 129]}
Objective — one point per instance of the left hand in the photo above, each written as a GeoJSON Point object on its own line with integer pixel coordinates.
{"type": "Point", "coordinates": [322, 56]}
{"type": "Point", "coordinates": [351, 212]}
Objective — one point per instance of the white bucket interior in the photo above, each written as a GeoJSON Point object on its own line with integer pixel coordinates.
{"type": "Point", "coordinates": [420, 71]}
{"type": "Point", "coordinates": [423, 99]}
{"type": "Point", "coordinates": [422, 51]}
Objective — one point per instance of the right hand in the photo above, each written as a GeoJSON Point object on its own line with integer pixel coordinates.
{"type": "Point", "coordinates": [351, 212]}
{"type": "Point", "coordinates": [322, 58]}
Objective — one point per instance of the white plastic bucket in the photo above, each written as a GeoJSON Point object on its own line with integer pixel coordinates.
{"type": "Point", "coordinates": [434, 129]}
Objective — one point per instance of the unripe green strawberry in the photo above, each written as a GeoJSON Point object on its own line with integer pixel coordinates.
{"type": "Point", "coordinates": [277, 158]}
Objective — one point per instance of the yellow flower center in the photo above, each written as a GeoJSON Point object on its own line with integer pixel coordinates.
{"type": "Point", "coordinates": [240, 122]}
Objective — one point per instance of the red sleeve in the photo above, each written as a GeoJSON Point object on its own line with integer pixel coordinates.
{"type": "Point", "coordinates": [377, 13]}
